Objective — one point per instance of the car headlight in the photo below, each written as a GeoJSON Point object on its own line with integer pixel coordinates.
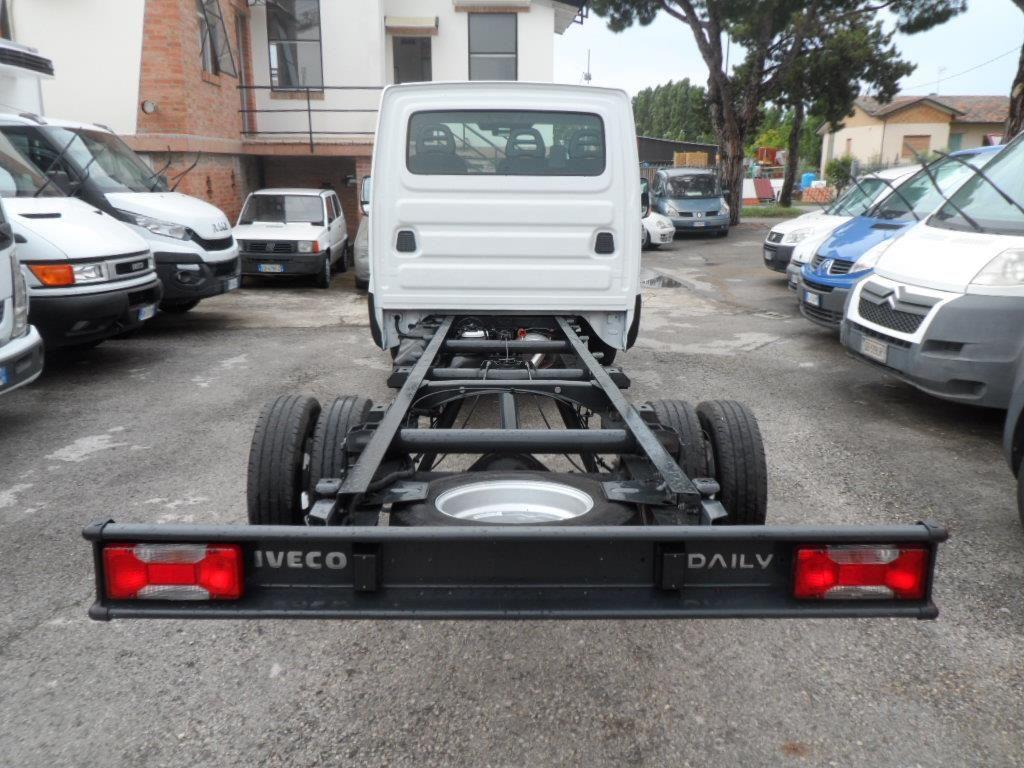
{"type": "Point", "coordinates": [797, 235]}
{"type": "Point", "coordinates": [665, 225]}
{"type": "Point", "coordinates": [870, 257]}
{"type": "Point", "coordinates": [309, 246]}
{"type": "Point", "coordinates": [1006, 269]}
{"type": "Point", "coordinates": [724, 209]}
{"type": "Point", "coordinates": [88, 273]}
{"type": "Point", "coordinates": [156, 226]}
{"type": "Point", "coordinates": [20, 298]}
{"type": "Point", "coordinates": [670, 210]}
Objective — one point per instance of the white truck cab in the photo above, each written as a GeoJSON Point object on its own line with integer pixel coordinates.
{"type": "Point", "coordinates": [89, 276]}
{"type": "Point", "coordinates": [21, 347]}
{"type": "Point", "coordinates": [499, 198]}
{"type": "Point", "coordinates": [195, 254]}
{"type": "Point", "coordinates": [293, 232]}
{"type": "Point", "coordinates": [944, 308]}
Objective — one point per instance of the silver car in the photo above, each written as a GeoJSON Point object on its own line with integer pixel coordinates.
{"type": "Point", "coordinates": [692, 198]}
{"type": "Point", "coordinates": [361, 246]}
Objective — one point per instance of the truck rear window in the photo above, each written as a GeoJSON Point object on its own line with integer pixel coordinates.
{"type": "Point", "coordinates": [505, 143]}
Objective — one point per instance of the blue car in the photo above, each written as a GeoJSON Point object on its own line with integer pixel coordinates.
{"type": "Point", "coordinates": [846, 257]}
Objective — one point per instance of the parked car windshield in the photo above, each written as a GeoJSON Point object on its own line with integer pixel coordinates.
{"type": "Point", "coordinates": [106, 160]}
{"type": "Point", "coordinates": [692, 186]}
{"type": "Point", "coordinates": [983, 203]}
{"type": "Point", "coordinates": [18, 176]}
{"type": "Point", "coordinates": [505, 143]}
{"type": "Point", "coordinates": [283, 209]}
{"type": "Point", "coordinates": [919, 193]}
{"type": "Point", "coordinates": [858, 197]}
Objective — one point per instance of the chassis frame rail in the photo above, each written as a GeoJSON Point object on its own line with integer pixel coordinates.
{"type": "Point", "coordinates": [520, 573]}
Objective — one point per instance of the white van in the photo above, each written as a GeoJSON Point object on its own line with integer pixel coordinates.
{"type": "Point", "coordinates": [21, 347]}
{"type": "Point", "coordinates": [789, 241]}
{"type": "Point", "coordinates": [468, 208]}
{"type": "Point", "coordinates": [195, 254]}
{"type": "Point", "coordinates": [293, 232]}
{"type": "Point", "coordinates": [89, 276]}
{"type": "Point", "coordinates": [944, 309]}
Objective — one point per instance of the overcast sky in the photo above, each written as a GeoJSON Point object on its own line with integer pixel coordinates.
{"type": "Point", "coordinates": [644, 56]}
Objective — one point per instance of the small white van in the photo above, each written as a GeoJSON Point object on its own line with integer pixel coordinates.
{"type": "Point", "coordinates": [293, 232]}
{"type": "Point", "coordinates": [505, 198]}
{"type": "Point", "coordinates": [21, 347]}
{"type": "Point", "coordinates": [944, 309]}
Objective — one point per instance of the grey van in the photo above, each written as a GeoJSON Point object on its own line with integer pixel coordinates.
{"type": "Point", "coordinates": [692, 198]}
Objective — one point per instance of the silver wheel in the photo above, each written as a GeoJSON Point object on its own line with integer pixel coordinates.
{"type": "Point", "coordinates": [514, 502]}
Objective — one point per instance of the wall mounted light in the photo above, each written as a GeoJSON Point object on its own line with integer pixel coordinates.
{"type": "Point", "coordinates": [149, 107]}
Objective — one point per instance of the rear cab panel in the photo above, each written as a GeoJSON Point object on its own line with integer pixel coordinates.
{"type": "Point", "coordinates": [504, 239]}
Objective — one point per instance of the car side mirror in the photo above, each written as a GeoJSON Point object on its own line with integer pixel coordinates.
{"type": "Point", "coordinates": [645, 204]}
{"type": "Point", "coordinates": [62, 181]}
{"type": "Point", "coordinates": [364, 195]}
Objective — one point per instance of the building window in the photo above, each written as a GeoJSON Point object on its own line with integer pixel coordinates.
{"type": "Point", "coordinates": [914, 146]}
{"type": "Point", "coordinates": [293, 31]}
{"type": "Point", "coordinates": [493, 46]}
{"type": "Point", "coordinates": [215, 48]}
{"type": "Point", "coordinates": [412, 59]}
{"type": "Point", "coordinates": [956, 141]}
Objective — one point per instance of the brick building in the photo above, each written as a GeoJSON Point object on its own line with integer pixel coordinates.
{"type": "Point", "coordinates": [259, 93]}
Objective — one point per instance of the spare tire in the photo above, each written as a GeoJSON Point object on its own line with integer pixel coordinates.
{"type": "Point", "coordinates": [513, 498]}
{"type": "Point", "coordinates": [738, 456]}
{"type": "Point", "coordinates": [276, 492]}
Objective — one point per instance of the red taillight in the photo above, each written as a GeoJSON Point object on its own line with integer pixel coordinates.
{"type": "Point", "coordinates": [859, 572]}
{"type": "Point", "coordinates": [173, 571]}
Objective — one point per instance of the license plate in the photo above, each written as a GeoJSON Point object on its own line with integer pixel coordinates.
{"type": "Point", "coordinates": [271, 267]}
{"type": "Point", "coordinates": [812, 298]}
{"type": "Point", "coordinates": [876, 350]}
{"type": "Point", "coordinates": [700, 223]}
{"type": "Point", "coordinates": [232, 283]}
{"type": "Point", "coordinates": [3, 376]}
{"type": "Point", "coordinates": [145, 313]}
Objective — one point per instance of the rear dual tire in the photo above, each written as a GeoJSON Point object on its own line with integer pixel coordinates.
{"type": "Point", "coordinates": [721, 439]}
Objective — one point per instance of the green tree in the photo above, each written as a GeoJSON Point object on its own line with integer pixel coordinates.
{"type": "Point", "coordinates": [672, 111]}
{"type": "Point", "coordinates": [777, 36]}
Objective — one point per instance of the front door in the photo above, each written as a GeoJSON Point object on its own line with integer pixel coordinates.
{"type": "Point", "coordinates": [412, 59]}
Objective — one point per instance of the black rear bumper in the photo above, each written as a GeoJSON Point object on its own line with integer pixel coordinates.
{"type": "Point", "coordinates": [291, 264]}
{"type": "Point", "coordinates": [520, 573]}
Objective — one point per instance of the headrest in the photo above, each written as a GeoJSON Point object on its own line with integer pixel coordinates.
{"type": "Point", "coordinates": [586, 143]}
{"type": "Point", "coordinates": [435, 137]}
{"type": "Point", "coordinates": [524, 142]}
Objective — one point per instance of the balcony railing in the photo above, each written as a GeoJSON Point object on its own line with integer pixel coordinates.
{"type": "Point", "coordinates": [304, 125]}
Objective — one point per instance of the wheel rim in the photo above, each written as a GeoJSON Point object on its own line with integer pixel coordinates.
{"type": "Point", "coordinates": [514, 502]}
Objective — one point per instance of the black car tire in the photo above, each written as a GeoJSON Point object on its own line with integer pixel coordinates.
{"type": "Point", "coordinates": [1020, 494]}
{"type": "Point", "coordinates": [681, 416]}
{"type": "Point", "coordinates": [738, 462]}
{"type": "Point", "coordinates": [346, 251]}
{"type": "Point", "coordinates": [323, 279]}
{"type": "Point", "coordinates": [326, 455]}
{"type": "Point", "coordinates": [277, 486]}
{"type": "Point", "coordinates": [362, 284]}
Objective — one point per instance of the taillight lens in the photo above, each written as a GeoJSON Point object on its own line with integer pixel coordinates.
{"type": "Point", "coordinates": [20, 298]}
{"type": "Point", "coordinates": [861, 572]}
{"type": "Point", "coordinates": [53, 275]}
{"type": "Point", "coordinates": [173, 571]}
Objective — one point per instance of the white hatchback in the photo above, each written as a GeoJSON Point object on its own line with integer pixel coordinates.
{"type": "Point", "coordinates": [293, 232]}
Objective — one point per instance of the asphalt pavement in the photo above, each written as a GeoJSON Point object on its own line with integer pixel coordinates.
{"type": "Point", "coordinates": [155, 427]}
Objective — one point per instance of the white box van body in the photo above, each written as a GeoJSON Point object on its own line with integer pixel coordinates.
{"type": "Point", "coordinates": [196, 256]}
{"type": "Point", "coordinates": [500, 198]}
{"type": "Point", "coordinates": [944, 309]}
{"type": "Point", "coordinates": [21, 347]}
